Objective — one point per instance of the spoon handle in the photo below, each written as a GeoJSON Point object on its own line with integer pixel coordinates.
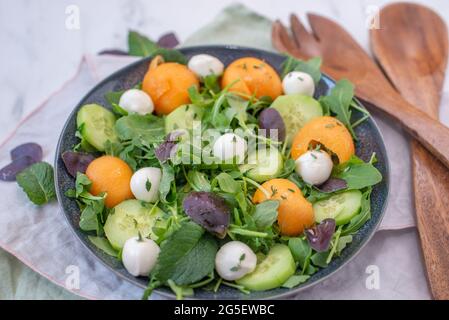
{"type": "Point", "coordinates": [432, 134]}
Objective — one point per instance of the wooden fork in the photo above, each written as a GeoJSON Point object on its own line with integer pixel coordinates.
{"type": "Point", "coordinates": [344, 58]}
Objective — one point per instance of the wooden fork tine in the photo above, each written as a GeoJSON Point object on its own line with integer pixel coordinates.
{"type": "Point", "coordinates": [326, 30]}
{"type": "Point", "coordinates": [301, 36]}
{"type": "Point", "coordinates": [280, 38]}
{"type": "Point", "coordinates": [283, 42]}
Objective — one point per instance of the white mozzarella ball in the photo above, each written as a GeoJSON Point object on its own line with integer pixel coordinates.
{"type": "Point", "coordinates": [145, 184]}
{"type": "Point", "coordinates": [136, 101]}
{"type": "Point", "coordinates": [234, 260]}
{"type": "Point", "coordinates": [298, 82]}
{"type": "Point", "coordinates": [203, 65]}
{"type": "Point", "coordinates": [228, 146]}
{"type": "Point", "coordinates": [314, 166]}
{"type": "Point", "coordinates": [139, 256]}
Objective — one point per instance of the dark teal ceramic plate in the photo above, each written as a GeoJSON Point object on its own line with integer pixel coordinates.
{"type": "Point", "coordinates": [370, 140]}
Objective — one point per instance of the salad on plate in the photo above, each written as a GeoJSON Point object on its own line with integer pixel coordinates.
{"type": "Point", "coordinates": [204, 175]}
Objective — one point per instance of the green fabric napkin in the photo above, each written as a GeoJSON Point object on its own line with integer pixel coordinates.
{"type": "Point", "coordinates": [235, 25]}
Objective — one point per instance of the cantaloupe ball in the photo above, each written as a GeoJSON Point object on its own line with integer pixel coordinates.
{"type": "Point", "coordinates": [251, 76]}
{"type": "Point", "coordinates": [167, 85]}
{"type": "Point", "coordinates": [111, 175]}
{"type": "Point", "coordinates": [295, 213]}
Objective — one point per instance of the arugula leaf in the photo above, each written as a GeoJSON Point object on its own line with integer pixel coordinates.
{"type": "Point", "coordinates": [358, 174]}
{"type": "Point", "coordinates": [198, 181]}
{"type": "Point", "coordinates": [103, 244]}
{"type": "Point", "coordinates": [168, 176]}
{"type": "Point", "coordinates": [180, 291]}
{"type": "Point", "coordinates": [92, 207]}
{"type": "Point", "coordinates": [288, 169]}
{"type": "Point", "coordinates": [300, 249]}
{"type": "Point", "coordinates": [320, 259]}
{"type": "Point", "coordinates": [140, 45]}
{"type": "Point", "coordinates": [295, 280]}
{"type": "Point", "coordinates": [38, 183]}
{"type": "Point", "coordinates": [113, 97]}
{"type": "Point", "coordinates": [186, 256]}
{"type": "Point", "coordinates": [147, 127]}
{"type": "Point", "coordinates": [342, 243]}
{"type": "Point", "coordinates": [312, 67]}
{"type": "Point", "coordinates": [119, 111]}
{"type": "Point", "coordinates": [339, 102]}
{"type": "Point", "coordinates": [82, 184]}
{"type": "Point", "coordinates": [227, 183]}
{"type": "Point", "coordinates": [211, 83]}
{"type": "Point", "coordinates": [266, 214]}
{"type": "Point", "coordinates": [92, 215]}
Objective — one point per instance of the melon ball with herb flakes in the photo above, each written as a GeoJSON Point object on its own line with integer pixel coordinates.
{"type": "Point", "coordinates": [234, 260]}
{"type": "Point", "coordinates": [251, 76]}
{"type": "Point", "coordinates": [145, 184]}
{"type": "Point", "coordinates": [229, 147]}
{"type": "Point", "coordinates": [204, 65]}
{"type": "Point", "coordinates": [136, 101]}
{"type": "Point", "coordinates": [298, 82]}
{"type": "Point", "coordinates": [314, 166]}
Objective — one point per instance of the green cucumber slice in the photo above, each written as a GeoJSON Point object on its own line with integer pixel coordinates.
{"type": "Point", "coordinates": [342, 207]}
{"type": "Point", "coordinates": [263, 165]}
{"type": "Point", "coordinates": [128, 219]}
{"type": "Point", "coordinates": [96, 125]}
{"type": "Point", "coordinates": [272, 272]}
{"type": "Point", "coordinates": [183, 117]}
{"type": "Point", "coordinates": [296, 110]}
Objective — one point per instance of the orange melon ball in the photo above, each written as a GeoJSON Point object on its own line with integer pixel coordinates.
{"type": "Point", "coordinates": [295, 213]}
{"type": "Point", "coordinates": [111, 175]}
{"type": "Point", "coordinates": [167, 85]}
{"type": "Point", "coordinates": [251, 76]}
{"type": "Point", "coordinates": [327, 131]}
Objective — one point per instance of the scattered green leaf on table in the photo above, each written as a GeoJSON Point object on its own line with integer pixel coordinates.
{"type": "Point", "coordinates": [140, 45]}
{"type": "Point", "coordinates": [38, 182]}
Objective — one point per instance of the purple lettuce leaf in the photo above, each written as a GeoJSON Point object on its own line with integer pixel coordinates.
{"type": "Point", "coordinates": [76, 161]}
{"type": "Point", "coordinates": [320, 235]}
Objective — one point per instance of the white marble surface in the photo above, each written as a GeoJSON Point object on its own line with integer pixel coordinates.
{"type": "Point", "coordinates": [39, 53]}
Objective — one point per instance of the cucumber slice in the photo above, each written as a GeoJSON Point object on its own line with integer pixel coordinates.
{"type": "Point", "coordinates": [96, 125]}
{"type": "Point", "coordinates": [296, 110]}
{"type": "Point", "coordinates": [263, 165]}
{"type": "Point", "coordinates": [128, 219]}
{"type": "Point", "coordinates": [183, 117]}
{"type": "Point", "coordinates": [342, 207]}
{"type": "Point", "coordinates": [272, 272]}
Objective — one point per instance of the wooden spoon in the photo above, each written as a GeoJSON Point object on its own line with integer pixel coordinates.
{"type": "Point", "coordinates": [344, 58]}
{"type": "Point", "coordinates": [412, 48]}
